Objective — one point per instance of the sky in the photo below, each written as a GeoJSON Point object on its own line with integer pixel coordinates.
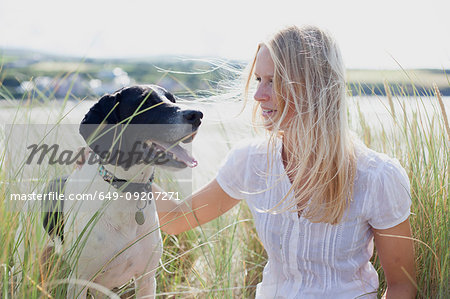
{"type": "Point", "coordinates": [382, 34]}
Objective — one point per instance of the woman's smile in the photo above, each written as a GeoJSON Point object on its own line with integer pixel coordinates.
{"type": "Point", "coordinates": [268, 113]}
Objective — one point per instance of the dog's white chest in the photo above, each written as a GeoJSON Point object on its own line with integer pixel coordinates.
{"type": "Point", "coordinates": [130, 257]}
{"type": "Point", "coordinates": [117, 248]}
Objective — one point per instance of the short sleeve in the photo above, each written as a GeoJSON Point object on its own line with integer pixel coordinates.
{"type": "Point", "coordinates": [232, 173]}
{"type": "Point", "coordinates": [389, 193]}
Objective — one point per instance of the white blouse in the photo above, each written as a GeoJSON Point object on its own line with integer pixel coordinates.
{"type": "Point", "coordinates": [317, 260]}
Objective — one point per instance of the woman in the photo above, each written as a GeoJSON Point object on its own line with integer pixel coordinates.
{"type": "Point", "coordinates": [319, 197]}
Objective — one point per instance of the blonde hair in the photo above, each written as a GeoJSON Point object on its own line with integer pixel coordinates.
{"type": "Point", "coordinates": [309, 80]}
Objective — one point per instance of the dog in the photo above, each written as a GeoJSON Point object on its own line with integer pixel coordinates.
{"type": "Point", "coordinates": [116, 238]}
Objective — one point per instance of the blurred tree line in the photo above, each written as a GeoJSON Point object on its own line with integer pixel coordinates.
{"type": "Point", "coordinates": [54, 77]}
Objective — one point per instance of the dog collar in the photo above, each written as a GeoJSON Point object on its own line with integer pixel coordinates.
{"type": "Point", "coordinates": [125, 186]}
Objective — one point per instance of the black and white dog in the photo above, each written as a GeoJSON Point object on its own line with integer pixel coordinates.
{"type": "Point", "coordinates": [130, 132]}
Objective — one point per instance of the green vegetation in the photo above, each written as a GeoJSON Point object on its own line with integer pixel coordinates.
{"type": "Point", "coordinates": [421, 143]}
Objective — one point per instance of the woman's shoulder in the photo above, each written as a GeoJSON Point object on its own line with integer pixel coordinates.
{"type": "Point", "coordinates": [383, 186]}
{"type": "Point", "coordinates": [373, 163]}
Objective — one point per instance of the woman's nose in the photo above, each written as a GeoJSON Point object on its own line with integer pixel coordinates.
{"type": "Point", "coordinates": [261, 94]}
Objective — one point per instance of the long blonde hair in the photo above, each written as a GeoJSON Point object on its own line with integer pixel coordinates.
{"type": "Point", "coordinates": [309, 80]}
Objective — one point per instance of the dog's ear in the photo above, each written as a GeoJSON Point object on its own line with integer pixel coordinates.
{"type": "Point", "coordinates": [97, 124]}
{"type": "Point", "coordinates": [104, 111]}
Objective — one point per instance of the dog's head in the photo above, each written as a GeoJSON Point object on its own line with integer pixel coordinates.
{"type": "Point", "coordinates": [141, 124]}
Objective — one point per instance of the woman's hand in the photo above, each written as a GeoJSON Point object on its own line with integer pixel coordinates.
{"type": "Point", "coordinates": [395, 249]}
{"type": "Point", "coordinates": [203, 206]}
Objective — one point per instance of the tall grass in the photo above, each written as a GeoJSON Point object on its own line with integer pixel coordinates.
{"type": "Point", "coordinates": [224, 258]}
{"type": "Point", "coordinates": [420, 138]}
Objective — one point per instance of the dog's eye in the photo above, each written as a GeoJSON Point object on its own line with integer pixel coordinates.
{"type": "Point", "coordinates": [170, 97]}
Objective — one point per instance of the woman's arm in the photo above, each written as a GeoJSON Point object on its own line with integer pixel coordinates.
{"type": "Point", "coordinates": [395, 249]}
{"type": "Point", "coordinates": [203, 206]}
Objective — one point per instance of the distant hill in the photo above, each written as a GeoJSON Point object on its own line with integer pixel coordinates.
{"type": "Point", "coordinates": [401, 82]}
{"type": "Point", "coordinates": [54, 75]}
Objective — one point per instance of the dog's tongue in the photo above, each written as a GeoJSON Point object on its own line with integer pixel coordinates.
{"type": "Point", "coordinates": [182, 155]}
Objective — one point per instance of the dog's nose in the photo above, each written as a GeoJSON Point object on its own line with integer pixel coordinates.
{"type": "Point", "coordinates": [193, 117]}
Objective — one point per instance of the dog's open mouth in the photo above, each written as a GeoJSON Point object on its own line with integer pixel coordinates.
{"type": "Point", "coordinates": [176, 152]}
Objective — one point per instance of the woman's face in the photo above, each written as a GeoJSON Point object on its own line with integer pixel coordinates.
{"type": "Point", "coordinates": [264, 71]}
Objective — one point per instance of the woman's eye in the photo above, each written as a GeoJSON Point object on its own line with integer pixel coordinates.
{"type": "Point", "coordinates": [258, 79]}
